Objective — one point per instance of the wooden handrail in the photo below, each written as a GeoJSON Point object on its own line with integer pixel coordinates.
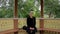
{"type": "Point", "coordinates": [54, 30]}
{"type": "Point", "coordinates": [15, 30]}
{"type": "Point", "coordinates": [47, 29]}
{"type": "Point", "coordinates": [9, 31]}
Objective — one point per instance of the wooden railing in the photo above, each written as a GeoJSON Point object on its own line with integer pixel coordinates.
{"type": "Point", "coordinates": [7, 25]}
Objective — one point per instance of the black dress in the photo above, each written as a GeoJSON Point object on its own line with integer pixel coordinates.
{"type": "Point", "coordinates": [31, 22]}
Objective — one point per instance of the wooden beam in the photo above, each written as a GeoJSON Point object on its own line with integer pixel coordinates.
{"type": "Point", "coordinates": [42, 16]}
{"type": "Point", "coordinates": [9, 31]}
{"type": "Point", "coordinates": [42, 13]}
{"type": "Point", "coordinates": [42, 26]}
{"type": "Point", "coordinates": [42, 20]}
{"type": "Point", "coordinates": [16, 12]}
{"type": "Point", "coordinates": [16, 16]}
{"type": "Point", "coordinates": [15, 23]}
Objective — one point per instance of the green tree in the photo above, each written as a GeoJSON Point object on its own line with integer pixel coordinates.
{"type": "Point", "coordinates": [52, 7]}
{"type": "Point", "coordinates": [24, 7]}
{"type": "Point", "coordinates": [6, 8]}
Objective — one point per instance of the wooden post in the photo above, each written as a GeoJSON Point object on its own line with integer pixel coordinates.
{"type": "Point", "coordinates": [15, 16]}
{"type": "Point", "coordinates": [42, 20]}
{"type": "Point", "coordinates": [42, 26]}
{"type": "Point", "coordinates": [42, 14]}
{"type": "Point", "coordinates": [16, 12]}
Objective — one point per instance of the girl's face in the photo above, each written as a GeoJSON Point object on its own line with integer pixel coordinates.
{"type": "Point", "coordinates": [31, 14]}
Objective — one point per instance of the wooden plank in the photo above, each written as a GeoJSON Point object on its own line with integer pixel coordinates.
{"type": "Point", "coordinates": [9, 31]}
{"type": "Point", "coordinates": [47, 29]}
{"type": "Point", "coordinates": [54, 30]}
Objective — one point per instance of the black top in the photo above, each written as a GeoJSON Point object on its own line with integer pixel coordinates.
{"type": "Point", "coordinates": [31, 22]}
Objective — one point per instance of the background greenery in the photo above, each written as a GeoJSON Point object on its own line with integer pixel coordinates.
{"type": "Point", "coordinates": [6, 8]}
{"type": "Point", "coordinates": [24, 7]}
{"type": "Point", "coordinates": [51, 8]}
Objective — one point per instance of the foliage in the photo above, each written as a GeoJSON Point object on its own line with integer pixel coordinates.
{"type": "Point", "coordinates": [24, 8]}
{"type": "Point", "coordinates": [6, 8]}
{"type": "Point", "coordinates": [53, 7]}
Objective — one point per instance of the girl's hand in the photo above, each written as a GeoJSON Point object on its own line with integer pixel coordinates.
{"type": "Point", "coordinates": [31, 28]}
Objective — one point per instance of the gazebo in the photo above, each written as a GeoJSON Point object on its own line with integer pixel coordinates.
{"type": "Point", "coordinates": [44, 23]}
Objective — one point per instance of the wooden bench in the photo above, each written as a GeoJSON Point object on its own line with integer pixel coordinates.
{"type": "Point", "coordinates": [9, 31]}
{"type": "Point", "coordinates": [21, 30]}
{"type": "Point", "coordinates": [54, 30]}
